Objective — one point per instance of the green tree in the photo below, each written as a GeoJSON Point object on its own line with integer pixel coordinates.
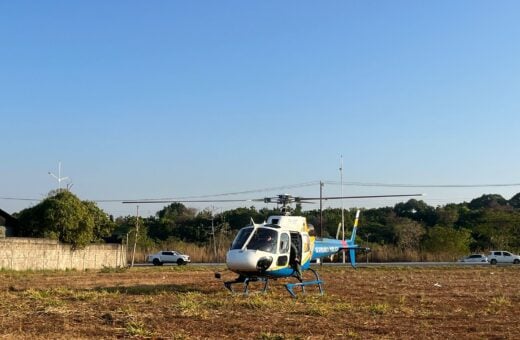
{"type": "Point", "coordinates": [418, 211]}
{"type": "Point", "coordinates": [487, 201]}
{"type": "Point", "coordinates": [515, 201]}
{"type": "Point", "coordinates": [66, 218]}
{"type": "Point", "coordinates": [240, 217]}
{"type": "Point", "coordinates": [103, 224]}
{"type": "Point", "coordinates": [126, 231]}
{"type": "Point", "coordinates": [375, 223]}
{"type": "Point", "coordinates": [447, 240]}
{"type": "Point", "coordinates": [408, 233]}
{"type": "Point", "coordinates": [448, 215]}
{"type": "Point", "coordinates": [495, 228]}
{"type": "Point", "coordinates": [169, 220]}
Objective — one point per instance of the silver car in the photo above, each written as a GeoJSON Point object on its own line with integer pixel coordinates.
{"type": "Point", "coordinates": [475, 258]}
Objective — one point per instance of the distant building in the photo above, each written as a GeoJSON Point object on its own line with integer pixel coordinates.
{"type": "Point", "coordinates": [8, 224]}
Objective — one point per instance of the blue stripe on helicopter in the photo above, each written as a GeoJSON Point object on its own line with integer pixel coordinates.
{"type": "Point", "coordinates": [327, 246]}
{"type": "Point", "coordinates": [287, 271]}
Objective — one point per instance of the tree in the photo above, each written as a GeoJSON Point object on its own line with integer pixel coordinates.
{"type": "Point", "coordinates": [375, 223]}
{"type": "Point", "coordinates": [418, 211]}
{"type": "Point", "coordinates": [495, 228]}
{"type": "Point", "coordinates": [487, 201]}
{"type": "Point", "coordinates": [169, 220]}
{"type": "Point", "coordinates": [240, 217]}
{"type": "Point", "coordinates": [66, 218]}
{"type": "Point", "coordinates": [176, 212]}
{"type": "Point", "coordinates": [515, 201]}
{"type": "Point", "coordinates": [103, 224]}
{"type": "Point", "coordinates": [448, 240]}
{"type": "Point", "coordinates": [126, 230]}
{"type": "Point", "coordinates": [448, 215]}
{"type": "Point", "coordinates": [408, 233]}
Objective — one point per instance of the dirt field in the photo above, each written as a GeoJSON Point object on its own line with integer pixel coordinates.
{"type": "Point", "coordinates": [188, 302]}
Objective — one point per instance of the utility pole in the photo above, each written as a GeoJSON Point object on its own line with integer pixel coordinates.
{"type": "Point", "coordinates": [213, 233]}
{"type": "Point", "coordinates": [136, 233]}
{"type": "Point", "coordinates": [368, 234]}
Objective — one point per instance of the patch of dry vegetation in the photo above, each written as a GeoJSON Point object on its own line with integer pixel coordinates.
{"type": "Point", "coordinates": [187, 302]}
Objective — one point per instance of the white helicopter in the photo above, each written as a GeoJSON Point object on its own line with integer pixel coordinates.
{"type": "Point", "coordinates": [283, 246]}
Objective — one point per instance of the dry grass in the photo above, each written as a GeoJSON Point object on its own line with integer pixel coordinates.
{"type": "Point", "coordinates": [198, 253]}
{"type": "Point", "coordinates": [391, 253]}
{"type": "Point", "coordinates": [188, 303]}
{"type": "Point", "coordinates": [379, 253]}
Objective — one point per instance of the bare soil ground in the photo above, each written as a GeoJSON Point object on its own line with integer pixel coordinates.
{"type": "Point", "coordinates": [189, 303]}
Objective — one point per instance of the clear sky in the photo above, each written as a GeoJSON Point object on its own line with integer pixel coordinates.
{"type": "Point", "coordinates": [152, 99]}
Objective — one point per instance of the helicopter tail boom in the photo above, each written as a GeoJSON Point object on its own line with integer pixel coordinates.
{"type": "Point", "coordinates": [328, 246]}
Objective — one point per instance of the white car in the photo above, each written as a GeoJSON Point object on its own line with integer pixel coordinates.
{"type": "Point", "coordinates": [474, 258]}
{"type": "Point", "coordinates": [500, 256]}
{"type": "Point", "coordinates": [168, 256]}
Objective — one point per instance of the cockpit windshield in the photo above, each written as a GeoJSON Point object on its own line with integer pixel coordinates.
{"type": "Point", "coordinates": [241, 238]}
{"type": "Point", "coordinates": [263, 239]}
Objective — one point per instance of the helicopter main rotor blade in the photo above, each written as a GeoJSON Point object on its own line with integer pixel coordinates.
{"type": "Point", "coordinates": [279, 200]}
{"type": "Point", "coordinates": [180, 201]}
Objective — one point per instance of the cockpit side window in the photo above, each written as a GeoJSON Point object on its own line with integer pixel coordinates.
{"type": "Point", "coordinates": [285, 242]}
{"type": "Point", "coordinates": [306, 243]}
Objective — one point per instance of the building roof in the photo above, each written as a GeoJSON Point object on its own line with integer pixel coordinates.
{"type": "Point", "coordinates": [9, 220]}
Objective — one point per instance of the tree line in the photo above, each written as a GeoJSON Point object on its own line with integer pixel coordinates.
{"type": "Point", "coordinates": [487, 222]}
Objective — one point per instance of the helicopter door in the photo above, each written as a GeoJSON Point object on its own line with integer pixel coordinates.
{"type": "Point", "coordinates": [306, 247]}
{"type": "Point", "coordinates": [285, 247]}
{"type": "Point", "coordinates": [296, 240]}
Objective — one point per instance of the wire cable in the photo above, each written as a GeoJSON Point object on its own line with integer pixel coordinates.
{"type": "Point", "coordinates": [402, 185]}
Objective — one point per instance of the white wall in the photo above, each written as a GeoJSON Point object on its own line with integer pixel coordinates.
{"type": "Point", "coordinates": [40, 254]}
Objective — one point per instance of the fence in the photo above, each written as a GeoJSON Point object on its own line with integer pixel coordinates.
{"type": "Point", "coordinates": [44, 254]}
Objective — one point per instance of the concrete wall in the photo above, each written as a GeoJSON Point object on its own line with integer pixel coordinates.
{"type": "Point", "coordinates": [39, 254]}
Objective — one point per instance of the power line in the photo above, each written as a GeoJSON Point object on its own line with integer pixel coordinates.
{"type": "Point", "coordinates": [253, 191]}
{"type": "Point", "coordinates": [402, 185]}
{"type": "Point", "coordinates": [291, 186]}
{"type": "Point", "coordinates": [294, 186]}
{"type": "Point", "coordinates": [20, 199]}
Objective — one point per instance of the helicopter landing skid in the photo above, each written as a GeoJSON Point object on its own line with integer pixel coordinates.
{"type": "Point", "coordinates": [246, 281]}
{"type": "Point", "coordinates": [317, 281]}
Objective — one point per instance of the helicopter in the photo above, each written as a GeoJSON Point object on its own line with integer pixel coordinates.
{"type": "Point", "coordinates": [283, 246]}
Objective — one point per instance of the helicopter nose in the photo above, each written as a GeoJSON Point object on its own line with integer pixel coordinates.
{"type": "Point", "coordinates": [242, 260]}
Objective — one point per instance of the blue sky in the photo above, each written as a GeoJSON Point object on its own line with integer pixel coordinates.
{"type": "Point", "coordinates": [172, 99]}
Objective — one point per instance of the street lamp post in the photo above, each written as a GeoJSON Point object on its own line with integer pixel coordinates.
{"type": "Point", "coordinates": [212, 210]}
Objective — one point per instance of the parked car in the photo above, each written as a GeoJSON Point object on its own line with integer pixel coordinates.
{"type": "Point", "coordinates": [168, 256]}
{"type": "Point", "coordinates": [500, 256]}
{"type": "Point", "coordinates": [474, 258]}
